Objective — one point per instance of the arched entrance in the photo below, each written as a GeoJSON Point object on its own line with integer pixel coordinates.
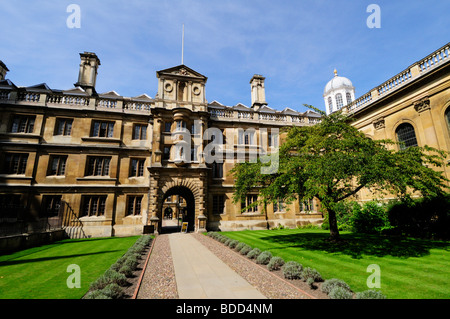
{"type": "Point", "coordinates": [178, 206]}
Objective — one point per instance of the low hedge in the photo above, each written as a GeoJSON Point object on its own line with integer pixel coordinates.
{"type": "Point", "coordinates": [110, 284]}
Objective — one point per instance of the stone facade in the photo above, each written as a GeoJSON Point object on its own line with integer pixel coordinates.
{"type": "Point", "coordinates": [417, 99]}
{"type": "Point", "coordinates": [105, 164]}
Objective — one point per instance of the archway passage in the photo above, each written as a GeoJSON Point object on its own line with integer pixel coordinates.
{"type": "Point", "coordinates": [178, 207]}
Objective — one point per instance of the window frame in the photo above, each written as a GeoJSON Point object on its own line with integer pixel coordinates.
{"type": "Point", "coordinates": [136, 208]}
{"type": "Point", "coordinates": [66, 129]}
{"type": "Point", "coordinates": [97, 201]}
{"type": "Point", "coordinates": [10, 169]}
{"type": "Point", "coordinates": [217, 170]}
{"type": "Point", "coordinates": [404, 138]}
{"type": "Point", "coordinates": [250, 199]}
{"type": "Point", "coordinates": [138, 170]}
{"type": "Point", "coordinates": [97, 132]}
{"type": "Point", "coordinates": [61, 165]}
{"type": "Point", "coordinates": [55, 203]}
{"type": "Point", "coordinates": [218, 204]}
{"type": "Point", "coordinates": [28, 121]}
{"type": "Point", "coordinates": [142, 133]}
{"type": "Point", "coordinates": [104, 166]}
{"type": "Point", "coordinates": [339, 101]}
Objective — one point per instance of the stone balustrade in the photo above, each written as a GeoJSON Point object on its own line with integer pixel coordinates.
{"type": "Point", "coordinates": [67, 100]}
{"type": "Point", "coordinates": [228, 114]}
{"type": "Point", "coordinates": [418, 69]}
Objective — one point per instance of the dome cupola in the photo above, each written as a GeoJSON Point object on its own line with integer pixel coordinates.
{"type": "Point", "coordinates": [338, 92]}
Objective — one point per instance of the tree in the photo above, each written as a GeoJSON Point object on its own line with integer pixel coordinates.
{"type": "Point", "coordinates": [332, 161]}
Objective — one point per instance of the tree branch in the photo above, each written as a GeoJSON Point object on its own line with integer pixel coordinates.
{"type": "Point", "coordinates": [357, 189]}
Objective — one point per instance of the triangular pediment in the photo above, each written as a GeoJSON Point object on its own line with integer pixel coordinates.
{"type": "Point", "coordinates": [266, 109]}
{"type": "Point", "coordinates": [312, 114]}
{"type": "Point", "coordinates": [241, 107]}
{"type": "Point", "coordinates": [38, 88]}
{"type": "Point", "coordinates": [181, 70]}
{"type": "Point", "coordinates": [75, 91]}
{"type": "Point", "coordinates": [290, 111]}
{"type": "Point", "coordinates": [110, 94]}
{"type": "Point", "coordinates": [143, 97]}
{"type": "Point", "coordinates": [216, 103]}
{"type": "Point", "coordinates": [7, 84]}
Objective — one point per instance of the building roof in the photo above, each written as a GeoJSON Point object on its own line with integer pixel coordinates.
{"type": "Point", "coordinates": [338, 82]}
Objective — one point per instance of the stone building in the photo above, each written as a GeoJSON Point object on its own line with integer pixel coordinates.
{"type": "Point", "coordinates": [105, 165]}
{"type": "Point", "coordinates": [108, 165]}
{"type": "Point", "coordinates": [412, 107]}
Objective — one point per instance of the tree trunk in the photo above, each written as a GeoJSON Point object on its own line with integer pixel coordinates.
{"type": "Point", "coordinates": [334, 232]}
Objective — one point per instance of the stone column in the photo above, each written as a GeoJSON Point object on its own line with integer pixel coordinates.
{"type": "Point", "coordinates": [202, 202]}
{"type": "Point", "coordinates": [426, 121]}
{"type": "Point", "coordinates": [153, 201]}
{"type": "Point", "coordinates": [156, 145]}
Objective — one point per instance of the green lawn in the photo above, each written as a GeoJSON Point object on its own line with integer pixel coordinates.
{"type": "Point", "coordinates": [410, 268]}
{"type": "Point", "coordinates": [41, 272]}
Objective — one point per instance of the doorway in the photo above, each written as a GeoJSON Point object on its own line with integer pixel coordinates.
{"type": "Point", "coordinates": [178, 207]}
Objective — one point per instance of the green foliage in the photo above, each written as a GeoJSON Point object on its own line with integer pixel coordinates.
{"type": "Point", "coordinates": [310, 281]}
{"type": "Point", "coordinates": [113, 291]}
{"type": "Point", "coordinates": [232, 244]}
{"type": "Point", "coordinates": [275, 263]}
{"type": "Point", "coordinates": [126, 270]}
{"type": "Point", "coordinates": [292, 270]}
{"type": "Point", "coordinates": [329, 284]}
{"type": "Point", "coordinates": [311, 273]}
{"type": "Point", "coordinates": [132, 262]}
{"type": "Point", "coordinates": [254, 253]}
{"type": "Point", "coordinates": [338, 292]}
{"type": "Point", "coordinates": [109, 285]}
{"type": "Point", "coordinates": [370, 294]}
{"type": "Point", "coordinates": [423, 217]}
{"type": "Point", "coordinates": [308, 226]}
{"type": "Point", "coordinates": [239, 246]}
{"type": "Point", "coordinates": [264, 258]}
{"type": "Point", "coordinates": [332, 161]}
{"type": "Point", "coordinates": [100, 283]}
{"type": "Point", "coordinates": [96, 294]}
{"type": "Point", "coordinates": [371, 218]}
{"type": "Point", "coordinates": [113, 276]}
{"type": "Point", "coordinates": [245, 250]}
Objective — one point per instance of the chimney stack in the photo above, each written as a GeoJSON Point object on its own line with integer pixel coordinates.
{"type": "Point", "coordinates": [258, 91]}
{"type": "Point", "coordinates": [88, 72]}
{"type": "Point", "coordinates": [3, 70]}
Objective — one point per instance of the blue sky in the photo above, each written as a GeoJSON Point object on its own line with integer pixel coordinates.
{"type": "Point", "coordinates": [296, 45]}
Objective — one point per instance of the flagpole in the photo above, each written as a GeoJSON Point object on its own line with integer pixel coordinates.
{"type": "Point", "coordinates": [182, 47]}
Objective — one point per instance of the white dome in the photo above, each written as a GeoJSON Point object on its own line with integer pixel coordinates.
{"type": "Point", "coordinates": [338, 82]}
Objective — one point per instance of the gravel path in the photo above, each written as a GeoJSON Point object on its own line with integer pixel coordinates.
{"type": "Point", "coordinates": [159, 278]}
{"type": "Point", "coordinates": [268, 283]}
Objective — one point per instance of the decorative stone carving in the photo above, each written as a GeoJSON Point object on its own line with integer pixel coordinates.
{"type": "Point", "coordinates": [183, 71]}
{"type": "Point", "coordinates": [379, 123]}
{"type": "Point", "coordinates": [422, 105]}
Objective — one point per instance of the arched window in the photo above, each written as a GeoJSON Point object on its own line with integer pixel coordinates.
{"type": "Point", "coordinates": [349, 97]}
{"type": "Point", "coordinates": [330, 104]}
{"type": "Point", "coordinates": [339, 101]}
{"type": "Point", "coordinates": [447, 117]}
{"type": "Point", "coordinates": [406, 136]}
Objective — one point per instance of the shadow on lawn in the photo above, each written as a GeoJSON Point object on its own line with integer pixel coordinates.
{"type": "Point", "coordinates": [32, 260]}
{"type": "Point", "coordinates": [357, 245]}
